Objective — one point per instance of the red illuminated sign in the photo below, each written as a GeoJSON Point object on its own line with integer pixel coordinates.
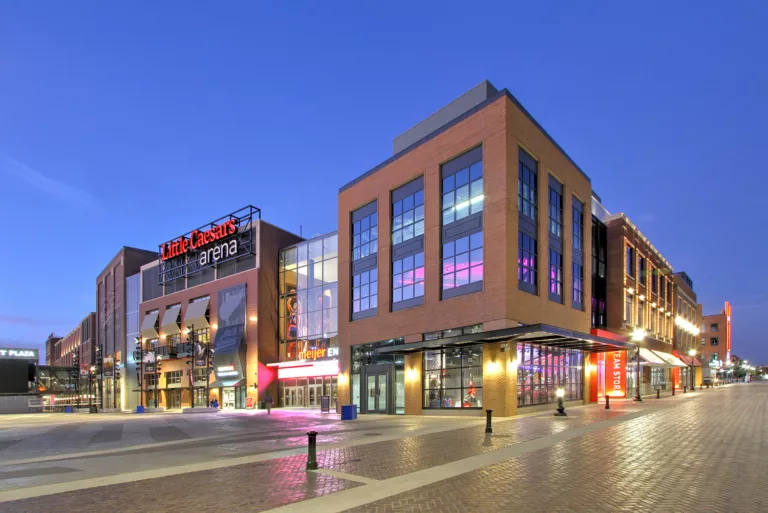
{"type": "Point", "coordinates": [305, 370]}
{"type": "Point", "coordinates": [616, 373]}
{"type": "Point", "coordinates": [197, 239]}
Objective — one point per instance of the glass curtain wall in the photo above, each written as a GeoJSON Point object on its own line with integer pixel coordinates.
{"type": "Point", "coordinates": [309, 297]}
{"type": "Point", "coordinates": [542, 370]}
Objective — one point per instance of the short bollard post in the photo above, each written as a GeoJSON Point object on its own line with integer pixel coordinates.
{"type": "Point", "coordinates": [312, 450]}
{"type": "Point", "coordinates": [658, 393]}
{"type": "Point", "coordinates": [488, 428]}
{"type": "Point", "coordinates": [673, 389]}
{"type": "Point", "coordinates": [607, 402]}
{"type": "Point", "coordinates": [685, 389]}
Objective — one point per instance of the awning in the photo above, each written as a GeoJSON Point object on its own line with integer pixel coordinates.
{"type": "Point", "coordinates": [688, 360]}
{"type": "Point", "coordinates": [149, 325]}
{"type": "Point", "coordinates": [543, 334]}
{"type": "Point", "coordinates": [651, 358]}
{"type": "Point", "coordinates": [170, 324]}
{"type": "Point", "coordinates": [670, 359]}
{"type": "Point", "coordinates": [228, 383]}
{"type": "Point", "coordinates": [196, 314]}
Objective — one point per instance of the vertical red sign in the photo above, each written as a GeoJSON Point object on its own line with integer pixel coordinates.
{"type": "Point", "coordinates": [616, 373]}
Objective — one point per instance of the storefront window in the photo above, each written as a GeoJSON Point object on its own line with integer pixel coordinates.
{"type": "Point", "coordinates": [542, 370]}
{"type": "Point", "coordinates": [453, 377]}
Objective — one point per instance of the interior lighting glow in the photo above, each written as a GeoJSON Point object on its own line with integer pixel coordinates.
{"type": "Point", "coordinates": [323, 368]}
{"type": "Point", "coordinates": [687, 326]}
{"type": "Point", "coordinates": [638, 335]}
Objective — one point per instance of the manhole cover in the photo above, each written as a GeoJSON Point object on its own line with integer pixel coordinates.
{"type": "Point", "coordinates": [372, 434]}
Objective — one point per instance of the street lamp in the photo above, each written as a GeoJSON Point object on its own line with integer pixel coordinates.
{"type": "Point", "coordinates": [692, 354]}
{"type": "Point", "coordinates": [560, 393]}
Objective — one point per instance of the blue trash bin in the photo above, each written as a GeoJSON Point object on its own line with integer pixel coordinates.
{"type": "Point", "coordinates": [67, 409]}
{"type": "Point", "coordinates": [348, 412]}
{"type": "Point", "coordinates": [139, 409]}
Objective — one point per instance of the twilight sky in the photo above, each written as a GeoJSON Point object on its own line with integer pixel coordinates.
{"type": "Point", "coordinates": [128, 123]}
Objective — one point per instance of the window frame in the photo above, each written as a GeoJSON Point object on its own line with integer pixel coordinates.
{"type": "Point", "coordinates": [629, 261]}
{"type": "Point", "coordinates": [556, 268]}
{"type": "Point", "coordinates": [523, 250]}
{"type": "Point", "coordinates": [442, 372]}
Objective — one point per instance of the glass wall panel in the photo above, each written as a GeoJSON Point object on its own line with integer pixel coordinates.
{"type": "Point", "coordinates": [542, 370]}
{"type": "Point", "coordinates": [453, 377]}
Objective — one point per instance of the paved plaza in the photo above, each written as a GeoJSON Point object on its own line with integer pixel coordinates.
{"type": "Point", "coordinates": [702, 451]}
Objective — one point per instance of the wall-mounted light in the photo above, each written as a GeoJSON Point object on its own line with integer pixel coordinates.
{"type": "Point", "coordinates": [253, 318]}
{"type": "Point", "coordinates": [653, 305]}
{"type": "Point", "coordinates": [343, 379]}
{"type": "Point", "coordinates": [162, 337]}
{"type": "Point", "coordinates": [641, 297]}
{"type": "Point", "coordinates": [630, 291]}
{"type": "Point", "coordinates": [661, 309]}
{"type": "Point", "coordinates": [215, 326]}
{"type": "Point", "coordinates": [638, 335]}
{"type": "Point", "coordinates": [411, 374]}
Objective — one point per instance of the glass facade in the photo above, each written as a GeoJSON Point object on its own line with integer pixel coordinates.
{"type": "Point", "coordinates": [407, 278]}
{"type": "Point", "coordinates": [308, 297]}
{"type": "Point", "coordinates": [408, 217]}
{"type": "Point", "coordinates": [526, 260]}
{"type": "Point", "coordinates": [365, 358]}
{"type": "Point", "coordinates": [463, 193]}
{"type": "Point", "coordinates": [453, 377]}
{"type": "Point", "coordinates": [542, 370]}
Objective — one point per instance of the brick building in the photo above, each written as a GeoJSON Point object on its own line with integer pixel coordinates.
{"type": "Point", "coordinates": [715, 348]}
{"type": "Point", "coordinates": [687, 323]}
{"type": "Point", "coordinates": [463, 268]}
{"type": "Point", "coordinates": [214, 287]}
{"type": "Point", "coordinates": [81, 341]}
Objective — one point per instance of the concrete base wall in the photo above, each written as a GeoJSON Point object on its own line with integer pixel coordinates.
{"type": "Point", "coordinates": [16, 404]}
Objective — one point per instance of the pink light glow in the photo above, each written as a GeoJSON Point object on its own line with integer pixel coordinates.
{"type": "Point", "coordinates": [324, 368]}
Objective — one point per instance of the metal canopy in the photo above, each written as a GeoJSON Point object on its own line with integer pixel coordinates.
{"type": "Point", "coordinates": [542, 334]}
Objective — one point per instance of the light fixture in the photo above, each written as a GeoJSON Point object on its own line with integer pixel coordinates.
{"type": "Point", "coordinates": [653, 305]}
{"type": "Point", "coordinates": [215, 326]}
{"type": "Point", "coordinates": [630, 291]}
{"type": "Point", "coordinates": [162, 337]}
{"type": "Point", "coordinates": [638, 334]}
{"type": "Point", "coordinates": [641, 297]}
{"type": "Point", "coordinates": [691, 352]}
{"type": "Point", "coordinates": [560, 411]}
{"type": "Point", "coordinates": [661, 309]}
{"type": "Point", "coordinates": [253, 318]}
{"type": "Point", "coordinates": [669, 314]}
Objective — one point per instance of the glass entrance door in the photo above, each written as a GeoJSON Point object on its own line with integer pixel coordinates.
{"type": "Point", "coordinates": [174, 399]}
{"type": "Point", "coordinates": [377, 393]}
{"type": "Point", "coordinates": [315, 391]}
{"type": "Point", "coordinates": [228, 401]}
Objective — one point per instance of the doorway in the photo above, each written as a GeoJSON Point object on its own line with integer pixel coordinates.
{"type": "Point", "coordinates": [228, 398]}
{"type": "Point", "coordinates": [174, 399]}
{"type": "Point", "coordinates": [377, 384]}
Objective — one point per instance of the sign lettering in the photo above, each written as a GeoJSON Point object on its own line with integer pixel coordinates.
{"type": "Point", "coordinates": [616, 374]}
{"type": "Point", "coordinates": [197, 239]}
{"type": "Point", "coordinates": [19, 354]}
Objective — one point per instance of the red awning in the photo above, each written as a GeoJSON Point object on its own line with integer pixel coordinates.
{"type": "Point", "coordinates": [689, 360]}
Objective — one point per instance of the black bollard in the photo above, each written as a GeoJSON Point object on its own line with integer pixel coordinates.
{"type": "Point", "coordinates": [658, 393]}
{"type": "Point", "coordinates": [607, 402]}
{"type": "Point", "coordinates": [673, 389]}
{"type": "Point", "coordinates": [488, 428]}
{"type": "Point", "coordinates": [685, 389]}
{"type": "Point", "coordinates": [312, 450]}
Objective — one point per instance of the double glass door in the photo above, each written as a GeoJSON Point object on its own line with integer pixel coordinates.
{"type": "Point", "coordinates": [377, 379]}
{"type": "Point", "coordinates": [228, 399]}
{"type": "Point", "coordinates": [174, 399]}
{"type": "Point", "coordinates": [293, 396]}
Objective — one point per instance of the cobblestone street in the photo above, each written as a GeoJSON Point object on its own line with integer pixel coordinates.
{"type": "Point", "coordinates": [703, 451]}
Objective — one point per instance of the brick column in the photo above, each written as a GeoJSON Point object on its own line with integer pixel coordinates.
{"type": "Point", "coordinates": [500, 379]}
{"type": "Point", "coordinates": [413, 386]}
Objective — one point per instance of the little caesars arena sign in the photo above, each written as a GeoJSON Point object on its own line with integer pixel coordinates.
{"type": "Point", "coordinates": [215, 243]}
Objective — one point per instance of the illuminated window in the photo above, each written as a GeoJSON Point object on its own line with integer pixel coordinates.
{"type": "Point", "coordinates": [578, 286]}
{"type": "Point", "coordinates": [640, 313]}
{"type": "Point", "coordinates": [463, 193]}
{"type": "Point", "coordinates": [365, 237]}
{"type": "Point", "coordinates": [555, 208]}
{"type": "Point", "coordinates": [408, 278]}
{"type": "Point", "coordinates": [578, 225]}
{"type": "Point", "coordinates": [365, 291]}
{"type": "Point", "coordinates": [173, 378]}
{"type": "Point", "coordinates": [453, 378]}
{"type": "Point", "coordinates": [628, 309]}
{"type": "Point", "coordinates": [526, 262]}
{"type": "Point", "coordinates": [408, 217]}
{"type": "Point", "coordinates": [555, 276]}
{"type": "Point", "coordinates": [463, 261]}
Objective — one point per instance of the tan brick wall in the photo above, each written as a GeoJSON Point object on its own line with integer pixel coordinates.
{"type": "Point", "coordinates": [413, 384]}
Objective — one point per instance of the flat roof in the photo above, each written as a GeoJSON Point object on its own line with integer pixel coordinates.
{"type": "Point", "coordinates": [455, 121]}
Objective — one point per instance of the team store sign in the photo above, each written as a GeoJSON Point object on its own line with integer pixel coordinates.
{"type": "Point", "coordinates": [615, 373]}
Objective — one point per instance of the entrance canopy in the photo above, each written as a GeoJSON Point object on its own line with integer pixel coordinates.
{"type": "Point", "coordinates": [670, 359]}
{"type": "Point", "coordinates": [227, 383]}
{"type": "Point", "coordinates": [542, 334]}
{"type": "Point", "coordinates": [689, 360]}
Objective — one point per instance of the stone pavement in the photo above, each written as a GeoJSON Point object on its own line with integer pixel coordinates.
{"type": "Point", "coordinates": [697, 452]}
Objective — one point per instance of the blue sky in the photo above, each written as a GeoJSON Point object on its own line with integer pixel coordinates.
{"type": "Point", "coordinates": [129, 123]}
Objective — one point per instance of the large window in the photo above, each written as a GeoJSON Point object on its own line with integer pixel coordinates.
{"type": "Point", "coordinates": [555, 276]}
{"type": "Point", "coordinates": [527, 187]}
{"type": "Point", "coordinates": [463, 261]}
{"type": "Point", "coordinates": [173, 378]}
{"type": "Point", "coordinates": [542, 370]}
{"type": "Point", "coordinates": [628, 308]}
{"type": "Point", "coordinates": [640, 313]}
{"type": "Point", "coordinates": [453, 378]}
{"type": "Point", "coordinates": [578, 225]}
{"type": "Point", "coordinates": [714, 341]}
{"type": "Point", "coordinates": [643, 275]}
{"type": "Point", "coordinates": [365, 236]}
{"type": "Point", "coordinates": [578, 287]}
{"type": "Point", "coordinates": [662, 282]}
{"type": "Point", "coordinates": [555, 208]}
{"type": "Point", "coordinates": [408, 278]}
{"type": "Point", "coordinates": [463, 193]}
{"type": "Point", "coordinates": [526, 262]}
{"type": "Point", "coordinates": [365, 291]}
{"type": "Point", "coordinates": [630, 263]}
{"type": "Point", "coordinates": [408, 217]}
{"type": "Point", "coordinates": [654, 280]}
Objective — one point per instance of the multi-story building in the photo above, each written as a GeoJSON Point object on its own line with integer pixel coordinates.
{"type": "Point", "coordinates": [81, 341]}
{"type": "Point", "coordinates": [113, 302]}
{"type": "Point", "coordinates": [51, 352]}
{"type": "Point", "coordinates": [687, 322]}
{"type": "Point", "coordinates": [208, 315]}
{"type": "Point", "coordinates": [641, 306]}
{"type": "Point", "coordinates": [464, 270]}
{"type": "Point", "coordinates": [715, 348]}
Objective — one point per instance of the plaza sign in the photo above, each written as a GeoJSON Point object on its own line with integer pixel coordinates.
{"type": "Point", "coordinates": [18, 354]}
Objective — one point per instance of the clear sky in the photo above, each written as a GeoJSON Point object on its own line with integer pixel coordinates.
{"type": "Point", "coordinates": [128, 123]}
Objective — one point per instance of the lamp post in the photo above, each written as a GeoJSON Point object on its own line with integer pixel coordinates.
{"type": "Point", "coordinates": [638, 336]}
{"type": "Point", "coordinates": [560, 412]}
{"type": "Point", "coordinates": [692, 354]}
